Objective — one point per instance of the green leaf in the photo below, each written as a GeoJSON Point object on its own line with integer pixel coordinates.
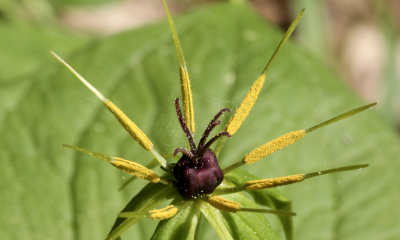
{"type": "Point", "coordinates": [25, 48]}
{"type": "Point", "coordinates": [48, 191]}
{"type": "Point", "coordinates": [271, 198]}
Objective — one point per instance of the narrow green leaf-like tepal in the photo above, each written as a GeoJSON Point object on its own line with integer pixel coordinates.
{"type": "Point", "coordinates": [271, 198]}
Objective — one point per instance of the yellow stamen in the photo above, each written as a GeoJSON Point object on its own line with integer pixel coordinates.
{"type": "Point", "coordinates": [224, 204]}
{"type": "Point", "coordinates": [287, 139]}
{"type": "Point", "coordinates": [135, 169]}
{"type": "Point", "coordinates": [187, 98]}
{"type": "Point", "coordinates": [273, 146]}
{"type": "Point", "coordinates": [133, 130]}
{"type": "Point", "coordinates": [185, 82]}
{"type": "Point", "coordinates": [236, 120]}
{"type": "Point", "coordinates": [132, 168]}
{"type": "Point", "coordinates": [274, 182]}
{"type": "Point", "coordinates": [129, 126]}
{"type": "Point", "coordinates": [251, 97]}
{"type": "Point", "coordinates": [165, 213]}
{"type": "Point", "coordinates": [280, 181]}
{"type": "Point", "coordinates": [156, 214]}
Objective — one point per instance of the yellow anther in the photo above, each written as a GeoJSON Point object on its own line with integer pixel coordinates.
{"type": "Point", "coordinates": [236, 120]}
{"type": "Point", "coordinates": [274, 182]}
{"type": "Point", "coordinates": [130, 126]}
{"type": "Point", "coordinates": [165, 213]}
{"type": "Point", "coordinates": [135, 169]}
{"type": "Point", "coordinates": [273, 146]}
{"type": "Point", "coordinates": [224, 204]}
{"type": "Point", "coordinates": [187, 98]}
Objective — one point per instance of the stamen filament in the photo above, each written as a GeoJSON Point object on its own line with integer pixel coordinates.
{"type": "Point", "coordinates": [225, 191]}
{"type": "Point", "coordinates": [233, 167]}
{"type": "Point", "coordinates": [161, 160]}
{"type": "Point", "coordinates": [219, 146]}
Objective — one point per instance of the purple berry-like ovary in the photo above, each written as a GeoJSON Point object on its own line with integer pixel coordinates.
{"type": "Point", "coordinates": [197, 171]}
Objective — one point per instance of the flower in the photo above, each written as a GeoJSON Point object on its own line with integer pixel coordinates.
{"type": "Point", "coordinates": [193, 168]}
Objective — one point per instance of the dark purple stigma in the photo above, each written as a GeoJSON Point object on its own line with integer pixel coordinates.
{"type": "Point", "coordinates": [198, 172]}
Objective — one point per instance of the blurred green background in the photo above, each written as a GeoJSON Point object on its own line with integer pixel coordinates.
{"type": "Point", "coordinates": [342, 55]}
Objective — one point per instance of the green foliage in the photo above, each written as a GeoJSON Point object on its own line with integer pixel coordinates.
{"type": "Point", "coordinates": [49, 192]}
{"type": "Point", "coordinates": [25, 48]}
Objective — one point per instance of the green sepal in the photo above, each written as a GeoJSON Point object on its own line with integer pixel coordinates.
{"type": "Point", "coordinates": [181, 226]}
{"type": "Point", "coordinates": [147, 199]}
{"type": "Point", "coordinates": [240, 225]}
{"type": "Point", "coordinates": [271, 198]}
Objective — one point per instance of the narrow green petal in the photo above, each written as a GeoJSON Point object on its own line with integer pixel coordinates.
{"type": "Point", "coordinates": [181, 226]}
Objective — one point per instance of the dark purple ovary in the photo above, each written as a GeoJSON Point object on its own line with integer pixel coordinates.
{"type": "Point", "coordinates": [203, 179]}
{"type": "Point", "coordinates": [197, 171]}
